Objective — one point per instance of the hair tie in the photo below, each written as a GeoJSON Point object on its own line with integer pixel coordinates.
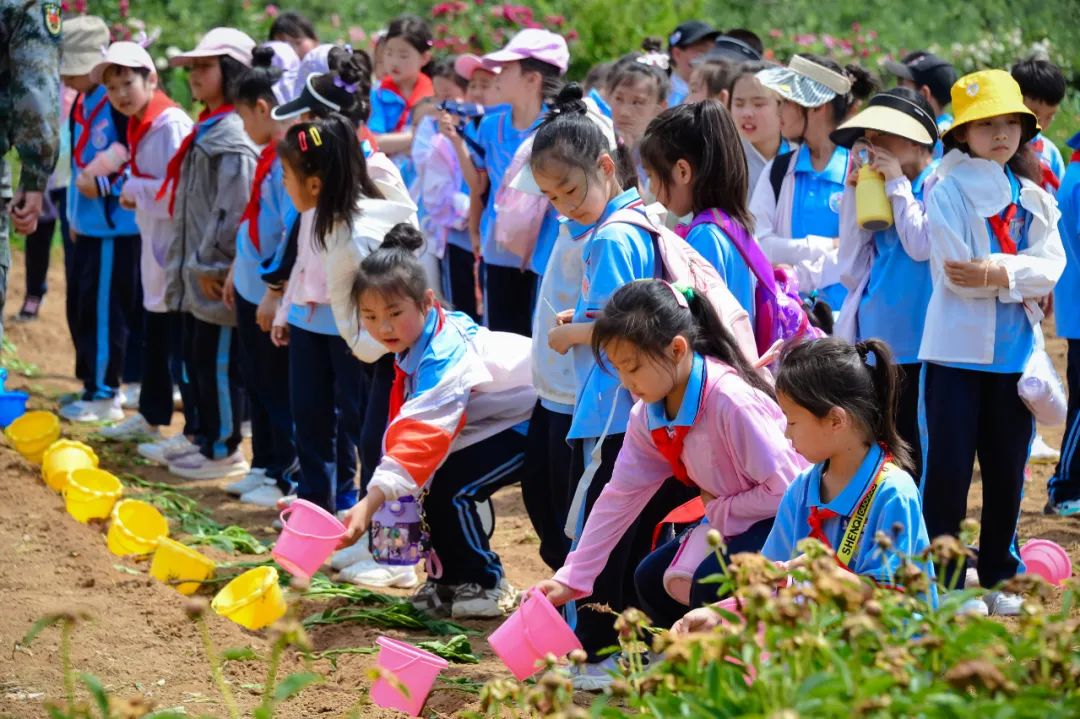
{"type": "Point", "coordinates": [683, 294]}
{"type": "Point", "coordinates": [658, 60]}
{"type": "Point", "coordinates": [866, 354]}
{"type": "Point", "coordinates": [350, 88]}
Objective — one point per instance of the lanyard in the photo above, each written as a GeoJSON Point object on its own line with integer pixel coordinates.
{"type": "Point", "coordinates": [849, 543]}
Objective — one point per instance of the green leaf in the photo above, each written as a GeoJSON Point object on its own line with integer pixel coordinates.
{"type": "Point", "coordinates": [39, 626]}
{"type": "Point", "coordinates": [293, 684]}
{"type": "Point", "coordinates": [97, 690]}
{"type": "Point", "coordinates": [456, 649]}
{"type": "Point", "coordinates": [238, 654]}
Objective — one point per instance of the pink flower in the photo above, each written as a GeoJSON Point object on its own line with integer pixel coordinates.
{"type": "Point", "coordinates": [776, 32]}
{"type": "Point", "coordinates": [865, 53]}
{"type": "Point", "coordinates": [442, 29]}
{"type": "Point", "coordinates": [272, 11]}
{"type": "Point", "coordinates": [555, 20]}
{"type": "Point", "coordinates": [829, 41]}
{"type": "Point", "coordinates": [80, 6]}
{"type": "Point", "coordinates": [460, 7]}
{"type": "Point", "coordinates": [572, 35]}
{"type": "Point", "coordinates": [440, 44]}
{"type": "Point", "coordinates": [122, 8]}
{"type": "Point", "coordinates": [846, 45]}
{"type": "Point", "coordinates": [440, 10]}
{"type": "Point", "coordinates": [335, 20]}
{"type": "Point", "coordinates": [855, 27]}
{"type": "Point", "coordinates": [872, 34]}
{"type": "Point", "coordinates": [357, 35]}
{"type": "Point", "coordinates": [805, 40]}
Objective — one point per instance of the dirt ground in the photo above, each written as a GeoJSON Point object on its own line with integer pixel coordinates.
{"type": "Point", "coordinates": [139, 641]}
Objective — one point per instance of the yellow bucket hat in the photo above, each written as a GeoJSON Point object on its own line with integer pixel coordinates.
{"type": "Point", "coordinates": [989, 93]}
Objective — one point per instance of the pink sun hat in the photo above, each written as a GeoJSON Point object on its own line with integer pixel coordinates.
{"type": "Point", "coordinates": [124, 54]}
{"type": "Point", "coordinates": [534, 43]}
{"type": "Point", "coordinates": [467, 64]}
{"type": "Point", "coordinates": [220, 41]}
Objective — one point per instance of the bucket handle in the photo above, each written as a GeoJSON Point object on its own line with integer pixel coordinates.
{"type": "Point", "coordinates": [92, 493]}
{"type": "Point", "coordinates": [418, 657]}
{"type": "Point", "coordinates": [119, 524]}
{"type": "Point", "coordinates": [532, 593]}
{"type": "Point", "coordinates": [285, 524]}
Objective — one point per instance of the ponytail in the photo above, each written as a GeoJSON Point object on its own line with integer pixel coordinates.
{"type": "Point", "coordinates": [862, 379]}
{"type": "Point", "coordinates": [649, 314]}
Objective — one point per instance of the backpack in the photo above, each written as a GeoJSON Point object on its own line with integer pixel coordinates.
{"type": "Point", "coordinates": [679, 263]}
{"type": "Point", "coordinates": [779, 314]}
{"type": "Point", "coordinates": [518, 214]}
{"type": "Point", "coordinates": [779, 168]}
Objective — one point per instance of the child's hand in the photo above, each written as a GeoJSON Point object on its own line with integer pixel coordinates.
{"type": "Point", "coordinates": [228, 290]}
{"type": "Point", "coordinates": [212, 288]}
{"type": "Point", "coordinates": [560, 338]}
{"type": "Point", "coordinates": [448, 127]}
{"type": "Point", "coordinates": [976, 273]}
{"type": "Point", "coordinates": [702, 619]}
{"type": "Point", "coordinates": [267, 310]}
{"type": "Point", "coordinates": [887, 164]}
{"type": "Point", "coordinates": [127, 201]}
{"type": "Point", "coordinates": [556, 592]}
{"type": "Point", "coordinates": [279, 335]}
{"type": "Point", "coordinates": [564, 318]}
{"type": "Point", "coordinates": [1046, 304]}
{"type": "Point", "coordinates": [86, 184]}
{"type": "Point", "coordinates": [356, 523]}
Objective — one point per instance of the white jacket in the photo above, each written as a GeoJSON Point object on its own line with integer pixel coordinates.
{"type": "Point", "coordinates": [961, 321]}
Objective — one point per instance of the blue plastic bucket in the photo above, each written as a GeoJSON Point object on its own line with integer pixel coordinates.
{"type": "Point", "coordinates": [12, 406]}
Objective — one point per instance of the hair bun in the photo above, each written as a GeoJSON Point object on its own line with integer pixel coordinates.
{"type": "Point", "coordinates": [262, 56]}
{"type": "Point", "coordinates": [405, 236]}
{"type": "Point", "coordinates": [569, 101]}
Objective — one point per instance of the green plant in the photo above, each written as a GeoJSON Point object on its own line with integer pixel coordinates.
{"type": "Point", "coordinates": [455, 649]}
{"type": "Point", "coordinates": [9, 360]}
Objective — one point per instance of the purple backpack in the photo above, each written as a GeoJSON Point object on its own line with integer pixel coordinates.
{"type": "Point", "coordinates": [778, 312]}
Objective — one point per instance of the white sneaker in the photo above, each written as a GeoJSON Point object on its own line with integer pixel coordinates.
{"type": "Point", "coordinates": [971, 578]}
{"type": "Point", "coordinates": [1004, 604]}
{"type": "Point", "coordinates": [251, 481]}
{"type": "Point", "coordinates": [197, 466]}
{"type": "Point", "coordinates": [1042, 453]}
{"type": "Point", "coordinates": [974, 606]}
{"type": "Point", "coordinates": [93, 410]}
{"type": "Point", "coordinates": [596, 676]}
{"type": "Point", "coordinates": [177, 400]}
{"type": "Point", "coordinates": [370, 573]}
{"type": "Point", "coordinates": [245, 429]}
{"type": "Point", "coordinates": [134, 427]}
{"type": "Point", "coordinates": [471, 601]}
{"type": "Point", "coordinates": [349, 556]}
{"type": "Point", "coordinates": [166, 450]}
{"type": "Point", "coordinates": [129, 395]}
{"type": "Point", "coordinates": [268, 495]}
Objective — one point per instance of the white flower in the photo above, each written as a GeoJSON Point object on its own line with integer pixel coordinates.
{"type": "Point", "coordinates": [172, 51]}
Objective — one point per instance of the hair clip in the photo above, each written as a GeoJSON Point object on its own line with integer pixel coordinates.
{"type": "Point", "coordinates": [301, 138]}
{"type": "Point", "coordinates": [658, 60]}
{"type": "Point", "coordinates": [316, 136]}
{"type": "Point", "coordinates": [348, 87]}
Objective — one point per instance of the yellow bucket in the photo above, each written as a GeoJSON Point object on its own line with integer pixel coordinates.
{"type": "Point", "coordinates": [63, 457]}
{"type": "Point", "coordinates": [175, 561]}
{"type": "Point", "coordinates": [135, 528]}
{"type": "Point", "coordinates": [91, 494]}
{"type": "Point", "coordinates": [252, 600]}
{"type": "Point", "coordinates": [32, 434]}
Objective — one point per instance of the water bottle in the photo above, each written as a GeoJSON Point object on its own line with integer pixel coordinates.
{"type": "Point", "coordinates": [396, 533]}
{"type": "Point", "coordinates": [873, 212]}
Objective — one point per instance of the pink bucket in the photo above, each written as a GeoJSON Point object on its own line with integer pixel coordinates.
{"type": "Point", "coordinates": [533, 631]}
{"type": "Point", "coordinates": [1046, 559]}
{"type": "Point", "coordinates": [679, 576]}
{"type": "Point", "coordinates": [413, 667]}
{"type": "Point", "coordinates": [731, 604]}
{"type": "Point", "coordinates": [309, 535]}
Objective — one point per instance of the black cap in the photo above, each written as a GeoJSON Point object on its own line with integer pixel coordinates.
{"type": "Point", "coordinates": [333, 94]}
{"type": "Point", "coordinates": [691, 32]}
{"type": "Point", "coordinates": [926, 68]}
{"type": "Point", "coordinates": [732, 50]}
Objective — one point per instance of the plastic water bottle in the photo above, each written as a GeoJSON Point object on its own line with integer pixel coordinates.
{"type": "Point", "coordinates": [396, 533]}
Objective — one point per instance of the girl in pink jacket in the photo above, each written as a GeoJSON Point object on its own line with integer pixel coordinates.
{"type": "Point", "coordinates": [703, 415]}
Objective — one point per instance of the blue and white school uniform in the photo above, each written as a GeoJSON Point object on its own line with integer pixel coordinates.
{"type": "Point", "coordinates": [944, 124]}
{"type": "Point", "coordinates": [1064, 486]}
{"type": "Point", "coordinates": [897, 502]}
{"type": "Point", "coordinates": [976, 343]}
{"type": "Point", "coordinates": [680, 89]}
{"type": "Point", "coordinates": [509, 291]}
{"type": "Point", "coordinates": [714, 245]}
{"type": "Point", "coordinates": [105, 284]}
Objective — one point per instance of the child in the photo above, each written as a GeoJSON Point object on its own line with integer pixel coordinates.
{"type": "Point", "coordinates": [796, 203]}
{"type": "Point", "coordinates": [106, 251]}
{"type": "Point", "coordinates": [982, 320]}
{"type": "Point", "coordinates": [573, 165]}
{"type": "Point", "coordinates": [710, 80]}
{"type": "Point", "coordinates": [407, 51]}
{"type": "Point", "coordinates": [689, 41]}
{"type": "Point", "coordinates": [933, 78]}
{"type": "Point", "coordinates": [637, 92]}
{"type": "Point", "coordinates": [529, 70]}
{"type": "Point", "coordinates": [207, 186]}
{"type": "Point", "coordinates": [460, 394]}
{"type": "Point", "coordinates": [756, 112]}
{"type": "Point", "coordinates": [596, 84]}
{"type": "Point", "coordinates": [294, 29]}
{"type": "Point", "coordinates": [156, 128]}
{"type": "Point", "coordinates": [266, 222]}
{"type": "Point", "coordinates": [839, 401]}
{"type": "Point", "coordinates": [900, 126]}
{"type": "Point", "coordinates": [695, 165]}
{"type": "Point", "coordinates": [1064, 485]}
{"type": "Point", "coordinates": [704, 415]}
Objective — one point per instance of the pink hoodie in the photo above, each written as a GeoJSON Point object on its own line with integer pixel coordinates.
{"type": "Point", "coordinates": [736, 451]}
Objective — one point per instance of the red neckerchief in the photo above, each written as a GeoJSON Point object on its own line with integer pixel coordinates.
{"type": "Point", "coordinates": [670, 444]}
{"type": "Point", "coordinates": [86, 123]}
{"type": "Point", "coordinates": [137, 129]}
{"type": "Point", "coordinates": [368, 136]}
{"type": "Point", "coordinates": [1075, 157]}
{"type": "Point", "coordinates": [1049, 179]}
{"type": "Point", "coordinates": [397, 390]}
{"type": "Point", "coordinates": [172, 174]}
{"type": "Point", "coordinates": [1000, 225]}
{"type": "Point", "coordinates": [423, 87]}
{"type": "Point", "coordinates": [251, 212]}
{"type": "Point", "coordinates": [819, 515]}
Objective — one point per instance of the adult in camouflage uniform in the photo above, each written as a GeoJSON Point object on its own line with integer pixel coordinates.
{"type": "Point", "coordinates": [29, 114]}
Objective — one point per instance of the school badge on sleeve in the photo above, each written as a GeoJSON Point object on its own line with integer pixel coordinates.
{"type": "Point", "coordinates": [50, 10]}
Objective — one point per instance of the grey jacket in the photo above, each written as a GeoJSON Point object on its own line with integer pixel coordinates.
{"type": "Point", "coordinates": [215, 181]}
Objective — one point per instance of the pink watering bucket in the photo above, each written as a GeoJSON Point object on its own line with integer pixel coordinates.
{"type": "Point", "coordinates": [309, 535]}
{"type": "Point", "coordinates": [1046, 559]}
{"type": "Point", "coordinates": [679, 576]}
{"type": "Point", "coordinates": [731, 604]}
{"type": "Point", "coordinates": [533, 631]}
{"type": "Point", "coordinates": [413, 667]}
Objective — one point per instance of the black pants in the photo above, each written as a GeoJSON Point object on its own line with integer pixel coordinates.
{"type": "Point", "coordinates": [178, 368]}
{"type": "Point", "coordinates": [156, 394]}
{"type": "Point", "coordinates": [967, 413]}
{"type": "Point", "coordinates": [265, 370]}
{"type": "Point", "coordinates": [615, 584]}
{"type": "Point", "coordinates": [106, 304]}
{"type": "Point", "coordinates": [459, 280]}
{"type": "Point", "coordinates": [467, 478]}
{"type": "Point", "coordinates": [907, 413]}
{"type": "Point", "coordinates": [508, 299]}
{"type": "Point", "coordinates": [211, 360]}
{"type": "Point", "coordinates": [381, 374]}
{"type": "Point", "coordinates": [545, 483]}
{"type": "Point", "coordinates": [39, 243]}
{"type": "Point", "coordinates": [649, 575]}
{"type": "Point", "coordinates": [1065, 484]}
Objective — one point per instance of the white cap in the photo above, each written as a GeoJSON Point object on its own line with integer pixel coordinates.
{"type": "Point", "coordinates": [124, 54]}
{"type": "Point", "coordinates": [216, 43]}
